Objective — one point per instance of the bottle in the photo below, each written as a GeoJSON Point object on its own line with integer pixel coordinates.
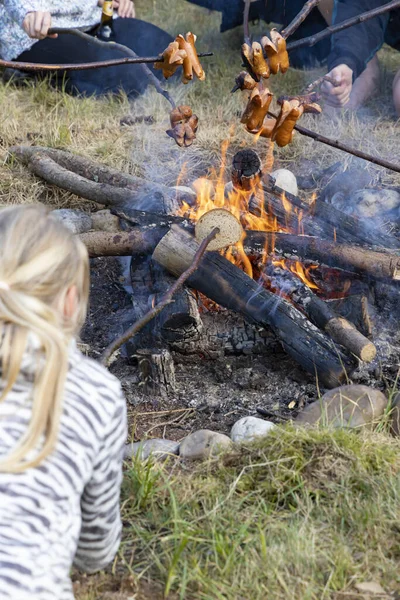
{"type": "Point", "coordinates": [106, 30]}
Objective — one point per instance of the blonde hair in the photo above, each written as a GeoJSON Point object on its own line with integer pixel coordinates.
{"type": "Point", "coordinates": [40, 260]}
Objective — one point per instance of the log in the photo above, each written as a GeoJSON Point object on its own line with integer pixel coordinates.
{"type": "Point", "coordinates": [121, 243]}
{"type": "Point", "coordinates": [157, 372]}
{"type": "Point", "coordinates": [319, 313]}
{"type": "Point", "coordinates": [227, 285]}
{"type": "Point", "coordinates": [180, 323]}
{"type": "Point", "coordinates": [363, 261]}
{"type": "Point", "coordinates": [319, 219]}
{"type": "Point", "coordinates": [246, 170]}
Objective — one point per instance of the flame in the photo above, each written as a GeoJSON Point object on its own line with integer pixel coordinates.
{"type": "Point", "coordinates": [298, 269]}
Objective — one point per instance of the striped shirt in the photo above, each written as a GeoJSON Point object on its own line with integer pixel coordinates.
{"type": "Point", "coordinates": [66, 510]}
{"type": "Point", "coordinates": [82, 14]}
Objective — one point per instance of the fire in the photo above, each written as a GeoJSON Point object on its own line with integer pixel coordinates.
{"type": "Point", "coordinates": [212, 192]}
{"type": "Point", "coordinates": [298, 269]}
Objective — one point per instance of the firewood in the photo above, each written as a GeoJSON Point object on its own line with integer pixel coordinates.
{"type": "Point", "coordinates": [229, 229]}
{"type": "Point", "coordinates": [246, 170]}
{"type": "Point", "coordinates": [319, 313]}
{"type": "Point", "coordinates": [157, 372]}
{"type": "Point", "coordinates": [367, 263]}
{"type": "Point", "coordinates": [227, 285]}
{"type": "Point", "coordinates": [121, 243]}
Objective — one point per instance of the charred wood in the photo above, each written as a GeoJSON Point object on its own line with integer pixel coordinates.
{"type": "Point", "coordinates": [361, 260]}
{"type": "Point", "coordinates": [227, 285]}
{"type": "Point", "coordinates": [157, 372]}
{"type": "Point", "coordinates": [320, 313]}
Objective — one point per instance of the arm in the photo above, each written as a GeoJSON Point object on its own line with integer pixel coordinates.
{"type": "Point", "coordinates": [356, 46]}
{"type": "Point", "coordinates": [101, 522]}
{"type": "Point", "coordinates": [352, 48]}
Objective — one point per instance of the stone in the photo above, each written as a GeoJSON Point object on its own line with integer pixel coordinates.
{"type": "Point", "coordinates": [344, 184]}
{"type": "Point", "coordinates": [103, 220]}
{"type": "Point", "coordinates": [76, 221]}
{"type": "Point", "coordinates": [286, 180]}
{"type": "Point", "coordinates": [157, 447]}
{"type": "Point", "coordinates": [250, 428]}
{"type": "Point", "coordinates": [203, 444]}
{"type": "Point", "coordinates": [353, 406]}
{"type": "Point", "coordinates": [368, 204]}
{"type": "Point", "coordinates": [395, 415]}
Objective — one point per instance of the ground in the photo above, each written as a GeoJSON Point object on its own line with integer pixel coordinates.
{"type": "Point", "coordinates": [303, 515]}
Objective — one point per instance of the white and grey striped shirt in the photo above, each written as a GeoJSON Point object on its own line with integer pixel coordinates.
{"type": "Point", "coordinates": [66, 510]}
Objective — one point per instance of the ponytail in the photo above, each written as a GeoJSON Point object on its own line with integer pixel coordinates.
{"type": "Point", "coordinates": [40, 261]}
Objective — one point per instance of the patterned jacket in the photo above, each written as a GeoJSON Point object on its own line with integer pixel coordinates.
{"type": "Point", "coordinates": [82, 14]}
{"type": "Point", "coordinates": [66, 510]}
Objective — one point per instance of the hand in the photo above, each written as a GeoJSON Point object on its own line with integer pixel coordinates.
{"type": "Point", "coordinates": [338, 96]}
{"type": "Point", "coordinates": [36, 24]}
{"type": "Point", "coordinates": [125, 8]}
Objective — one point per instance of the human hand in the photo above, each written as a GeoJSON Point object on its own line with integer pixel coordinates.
{"type": "Point", "coordinates": [125, 8]}
{"type": "Point", "coordinates": [36, 24]}
{"type": "Point", "coordinates": [338, 95]}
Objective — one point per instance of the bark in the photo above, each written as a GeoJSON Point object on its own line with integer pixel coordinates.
{"type": "Point", "coordinates": [157, 372]}
{"type": "Point", "coordinates": [227, 285]}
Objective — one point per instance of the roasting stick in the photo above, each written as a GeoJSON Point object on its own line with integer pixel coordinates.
{"type": "Point", "coordinates": [370, 14]}
{"type": "Point", "coordinates": [338, 328]}
{"type": "Point", "coordinates": [297, 21]}
{"type": "Point", "coordinates": [340, 146]}
{"type": "Point", "coordinates": [27, 66]}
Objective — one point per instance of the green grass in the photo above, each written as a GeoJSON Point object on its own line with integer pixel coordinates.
{"type": "Point", "coordinates": [302, 515]}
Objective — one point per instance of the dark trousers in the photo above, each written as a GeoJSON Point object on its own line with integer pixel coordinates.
{"type": "Point", "coordinates": [142, 37]}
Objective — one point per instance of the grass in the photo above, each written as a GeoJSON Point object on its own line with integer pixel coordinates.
{"type": "Point", "coordinates": [303, 515]}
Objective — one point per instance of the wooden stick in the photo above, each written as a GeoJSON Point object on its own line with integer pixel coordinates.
{"type": "Point", "coordinates": [319, 313]}
{"type": "Point", "coordinates": [370, 14]}
{"type": "Point", "coordinates": [246, 28]}
{"type": "Point", "coordinates": [167, 299]}
{"type": "Point", "coordinates": [27, 66]}
{"type": "Point", "coordinates": [297, 21]}
{"type": "Point", "coordinates": [357, 259]}
{"type": "Point", "coordinates": [319, 81]}
{"type": "Point", "coordinates": [340, 146]}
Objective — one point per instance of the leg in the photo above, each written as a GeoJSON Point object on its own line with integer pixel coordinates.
{"type": "Point", "coordinates": [144, 38]}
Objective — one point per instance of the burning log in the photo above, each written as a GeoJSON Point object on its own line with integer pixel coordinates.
{"type": "Point", "coordinates": [319, 313]}
{"type": "Point", "coordinates": [359, 260]}
{"type": "Point", "coordinates": [246, 170]}
{"type": "Point", "coordinates": [227, 285]}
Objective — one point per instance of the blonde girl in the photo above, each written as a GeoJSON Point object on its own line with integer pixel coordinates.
{"type": "Point", "coordinates": [62, 416]}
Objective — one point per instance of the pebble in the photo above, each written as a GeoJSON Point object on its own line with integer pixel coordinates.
{"type": "Point", "coordinates": [76, 221]}
{"type": "Point", "coordinates": [203, 444]}
{"type": "Point", "coordinates": [374, 203]}
{"type": "Point", "coordinates": [351, 406]}
{"type": "Point", "coordinates": [249, 428]}
{"type": "Point", "coordinates": [157, 447]}
{"type": "Point", "coordinates": [286, 180]}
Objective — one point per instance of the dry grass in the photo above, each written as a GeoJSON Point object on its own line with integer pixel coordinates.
{"type": "Point", "coordinates": [42, 116]}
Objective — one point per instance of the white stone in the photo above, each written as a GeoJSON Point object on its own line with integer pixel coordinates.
{"type": "Point", "coordinates": [249, 428]}
{"type": "Point", "coordinates": [203, 444]}
{"type": "Point", "coordinates": [285, 180]}
{"type": "Point", "coordinates": [157, 447]}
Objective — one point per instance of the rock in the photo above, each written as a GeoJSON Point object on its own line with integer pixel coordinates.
{"type": "Point", "coordinates": [202, 444]}
{"type": "Point", "coordinates": [76, 221]}
{"type": "Point", "coordinates": [157, 447]}
{"type": "Point", "coordinates": [249, 428]}
{"type": "Point", "coordinates": [346, 406]}
{"type": "Point", "coordinates": [345, 183]}
{"type": "Point", "coordinates": [285, 180]}
{"type": "Point", "coordinates": [395, 415]}
{"type": "Point", "coordinates": [368, 204]}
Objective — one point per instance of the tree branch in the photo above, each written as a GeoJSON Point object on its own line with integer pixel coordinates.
{"type": "Point", "coordinates": [297, 21]}
{"type": "Point", "coordinates": [166, 299]}
{"type": "Point", "coordinates": [370, 14]}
